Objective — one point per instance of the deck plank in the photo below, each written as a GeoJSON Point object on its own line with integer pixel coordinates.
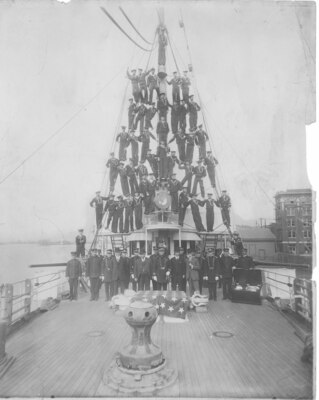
{"type": "Point", "coordinates": [56, 356]}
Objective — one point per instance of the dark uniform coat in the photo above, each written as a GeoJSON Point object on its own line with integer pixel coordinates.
{"type": "Point", "coordinates": [113, 164]}
{"type": "Point", "coordinates": [245, 262]}
{"type": "Point", "coordinates": [194, 203]}
{"type": "Point", "coordinates": [73, 269]}
{"type": "Point", "coordinates": [209, 214]}
{"type": "Point", "coordinates": [174, 186]}
{"type": "Point", "coordinates": [178, 271]}
{"type": "Point", "coordinates": [160, 267]}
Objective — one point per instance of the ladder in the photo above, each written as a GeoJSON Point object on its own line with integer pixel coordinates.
{"type": "Point", "coordinates": [117, 240]}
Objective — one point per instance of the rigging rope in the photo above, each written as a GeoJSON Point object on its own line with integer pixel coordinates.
{"type": "Point", "coordinates": [172, 53]}
{"type": "Point", "coordinates": [122, 30]}
{"type": "Point", "coordinates": [131, 23]}
{"type": "Point", "coordinates": [34, 152]}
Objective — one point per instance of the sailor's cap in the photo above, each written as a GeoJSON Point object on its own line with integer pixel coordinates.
{"type": "Point", "coordinates": [226, 249]}
{"type": "Point", "coordinates": [191, 96]}
{"type": "Point", "coordinates": [112, 153]}
{"type": "Point", "coordinates": [117, 250]}
{"type": "Point", "coordinates": [185, 72]}
{"type": "Point", "coordinates": [209, 194]}
{"type": "Point", "coordinates": [175, 72]}
{"type": "Point", "coordinates": [142, 251]}
{"type": "Point", "coordinates": [130, 99]}
{"type": "Point", "coordinates": [208, 151]}
{"type": "Point", "coordinates": [80, 230]}
{"type": "Point", "coordinates": [98, 191]}
{"type": "Point", "coordinates": [140, 69]}
{"type": "Point", "coordinates": [152, 69]}
{"type": "Point", "coordinates": [133, 70]}
{"type": "Point", "coordinates": [73, 253]}
{"type": "Point", "coordinates": [123, 126]}
{"type": "Point", "coordinates": [200, 126]}
{"type": "Point", "coordinates": [111, 195]}
{"type": "Point", "coordinates": [109, 251]}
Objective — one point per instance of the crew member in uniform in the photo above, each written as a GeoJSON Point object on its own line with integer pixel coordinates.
{"type": "Point", "coordinates": [162, 130]}
{"type": "Point", "coordinates": [226, 270]}
{"type": "Point", "coordinates": [183, 202]}
{"type": "Point", "coordinates": [200, 139]}
{"type": "Point", "coordinates": [134, 259]}
{"type": "Point", "coordinates": [195, 203]}
{"type": "Point", "coordinates": [142, 272]}
{"type": "Point", "coordinates": [153, 162]}
{"type": "Point", "coordinates": [97, 202]}
{"type": "Point", "coordinates": [150, 114]}
{"type": "Point", "coordinates": [110, 206]}
{"type": "Point", "coordinates": [211, 162]}
{"type": "Point", "coordinates": [237, 243]}
{"type": "Point", "coordinates": [124, 271]}
{"type": "Point", "coordinates": [94, 271]}
{"type": "Point", "coordinates": [134, 147]}
{"type": "Point", "coordinates": [174, 117]}
{"type": "Point", "coordinates": [131, 114]}
{"type": "Point", "coordinates": [141, 170]}
{"type": "Point", "coordinates": [129, 212]}
{"type": "Point", "coordinates": [192, 272]}
{"type": "Point", "coordinates": [189, 172]}
{"type": "Point", "coordinates": [224, 204]}
{"type": "Point", "coordinates": [80, 241]}
{"type": "Point", "coordinates": [161, 272]}
{"type": "Point", "coordinates": [245, 261]}
{"type": "Point", "coordinates": [152, 84]}
{"type": "Point", "coordinates": [138, 211]}
{"type": "Point", "coordinates": [135, 84]}
{"type": "Point", "coordinates": [107, 268]}
{"type": "Point", "coordinates": [123, 138]}
{"type": "Point", "coordinates": [190, 144]}
{"type": "Point", "coordinates": [183, 110]}
{"type": "Point", "coordinates": [143, 189]}
{"type": "Point", "coordinates": [162, 106]}
{"type": "Point", "coordinates": [140, 112]}
{"type": "Point", "coordinates": [120, 214]}
{"type": "Point", "coordinates": [209, 212]}
{"type": "Point", "coordinates": [162, 156]}
{"type": "Point", "coordinates": [180, 141]}
{"type": "Point", "coordinates": [178, 270]}
{"type": "Point", "coordinates": [112, 163]}
{"type": "Point", "coordinates": [115, 270]}
{"type": "Point", "coordinates": [185, 84]}
{"type": "Point", "coordinates": [142, 84]}
{"type": "Point", "coordinates": [123, 179]}
{"type": "Point", "coordinates": [152, 187]}
{"type": "Point", "coordinates": [200, 173]}
{"type": "Point", "coordinates": [212, 272]}
{"type": "Point", "coordinates": [174, 186]}
{"type": "Point", "coordinates": [73, 272]}
{"type": "Point", "coordinates": [130, 172]}
{"type": "Point", "coordinates": [153, 258]}
{"type": "Point", "coordinates": [175, 82]}
{"type": "Point", "coordinates": [145, 138]}
{"type": "Point", "coordinates": [193, 109]}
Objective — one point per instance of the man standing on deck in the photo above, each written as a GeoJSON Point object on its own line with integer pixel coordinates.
{"type": "Point", "coordinates": [192, 272]}
{"type": "Point", "coordinates": [175, 82]}
{"type": "Point", "coordinates": [124, 271]}
{"type": "Point", "coordinates": [97, 202]}
{"type": "Point", "coordinates": [134, 260]}
{"type": "Point", "coordinates": [161, 270]}
{"type": "Point", "coordinates": [245, 261]}
{"type": "Point", "coordinates": [110, 206]}
{"type": "Point", "coordinates": [142, 272]}
{"type": "Point", "coordinates": [153, 258]}
{"type": "Point", "coordinates": [212, 272]}
{"type": "Point", "coordinates": [73, 272]}
{"type": "Point", "coordinates": [174, 186]}
{"type": "Point", "coordinates": [107, 268]}
{"type": "Point", "coordinates": [185, 84]}
{"type": "Point", "coordinates": [80, 241]}
{"type": "Point", "coordinates": [182, 205]}
{"type": "Point", "coordinates": [94, 271]}
{"type": "Point", "coordinates": [226, 269]}
{"type": "Point", "coordinates": [193, 109]}
{"type": "Point", "coordinates": [113, 164]}
{"type": "Point", "coordinates": [129, 212]}
{"type": "Point", "coordinates": [178, 267]}
{"type": "Point", "coordinates": [200, 139]}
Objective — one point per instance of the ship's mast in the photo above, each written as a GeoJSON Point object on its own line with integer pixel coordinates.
{"type": "Point", "coordinates": [162, 43]}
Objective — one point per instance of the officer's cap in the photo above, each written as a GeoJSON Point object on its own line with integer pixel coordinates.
{"type": "Point", "coordinates": [162, 94]}
{"type": "Point", "coordinates": [245, 249]}
{"type": "Point", "coordinates": [224, 191]}
{"type": "Point", "coordinates": [117, 250]}
{"type": "Point", "coordinates": [174, 72]}
{"type": "Point", "coordinates": [161, 248]}
{"type": "Point", "coordinates": [112, 153]}
{"type": "Point", "coordinates": [173, 174]}
{"type": "Point", "coordinates": [142, 252]}
{"type": "Point", "coordinates": [155, 248]}
{"type": "Point", "coordinates": [140, 69]}
{"type": "Point", "coordinates": [211, 249]}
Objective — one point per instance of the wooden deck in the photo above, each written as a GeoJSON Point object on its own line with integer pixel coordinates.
{"type": "Point", "coordinates": [65, 352]}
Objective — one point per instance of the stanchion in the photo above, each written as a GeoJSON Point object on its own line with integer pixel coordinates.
{"type": "Point", "coordinates": [6, 295]}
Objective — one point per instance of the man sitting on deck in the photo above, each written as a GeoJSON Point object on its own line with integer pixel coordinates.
{"type": "Point", "coordinates": [73, 272]}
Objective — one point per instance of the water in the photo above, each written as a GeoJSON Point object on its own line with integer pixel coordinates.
{"type": "Point", "coordinates": [16, 258]}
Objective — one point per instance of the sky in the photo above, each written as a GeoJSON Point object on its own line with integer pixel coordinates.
{"type": "Point", "coordinates": [63, 72]}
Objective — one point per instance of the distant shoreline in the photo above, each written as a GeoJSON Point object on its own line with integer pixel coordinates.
{"type": "Point", "coordinates": [41, 243]}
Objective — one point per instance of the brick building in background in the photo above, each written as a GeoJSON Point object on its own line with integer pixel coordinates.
{"type": "Point", "coordinates": [293, 228]}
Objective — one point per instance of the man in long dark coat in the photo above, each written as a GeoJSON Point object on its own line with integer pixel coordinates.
{"type": "Point", "coordinates": [174, 186]}
{"type": "Point", "coordinates": [73, 272]}
{"type": "Point", "coordinates": [134, 259]}
{"type": "Point", "coordinates": [107, 269]}
{"type": "Point", "coordinates": [124, 271]}
{"type": "Point", "coordinates": [153, 258]}
{"type": "Point", "coordinates": [129, 212]}
{"type": "Point", "coordinates": [123, 138]}
{"type": "Point", "coordinates": [97, 202]}
{"type": "Point", "coordinates": [161, 270]}
{"type": "Point", "coordinates": [183, 202]}
{"type": "Point", "coordinates": [211, 273]}
{"type": "Point", "coordinates": [226, 269]}
{"type": "Point", "coordinates": [113, 163]}
{"type": "Point", "coordinates": [142, 272]}
{"type": "Point", "coordinates": [195, 203]}
{"type": "Point", "coordinates": [94, 271]}
{"type": "Point", "coordinates": [80, 241]}
{"type": "Point", "coordinates": [211, 162]}
{"type": "Point", "coordinates": [209, 202]}
{"type": "Point", "coordinates": [178, 270]}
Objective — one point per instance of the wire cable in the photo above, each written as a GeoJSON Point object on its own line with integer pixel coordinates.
{"type": "Point", "coordinates": [59, 130]}
{"type": "Point", "coordinates": [132, 25]}
{"type": "Point", "coordinates": [121, 29]}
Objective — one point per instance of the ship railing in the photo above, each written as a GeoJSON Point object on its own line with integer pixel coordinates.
{"type": "Point", "coordinates": [161, 217]}
{"type": "Point", "coordinates": [289, 291]}
{"type": "Point", "coordinates": [20, 299]}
